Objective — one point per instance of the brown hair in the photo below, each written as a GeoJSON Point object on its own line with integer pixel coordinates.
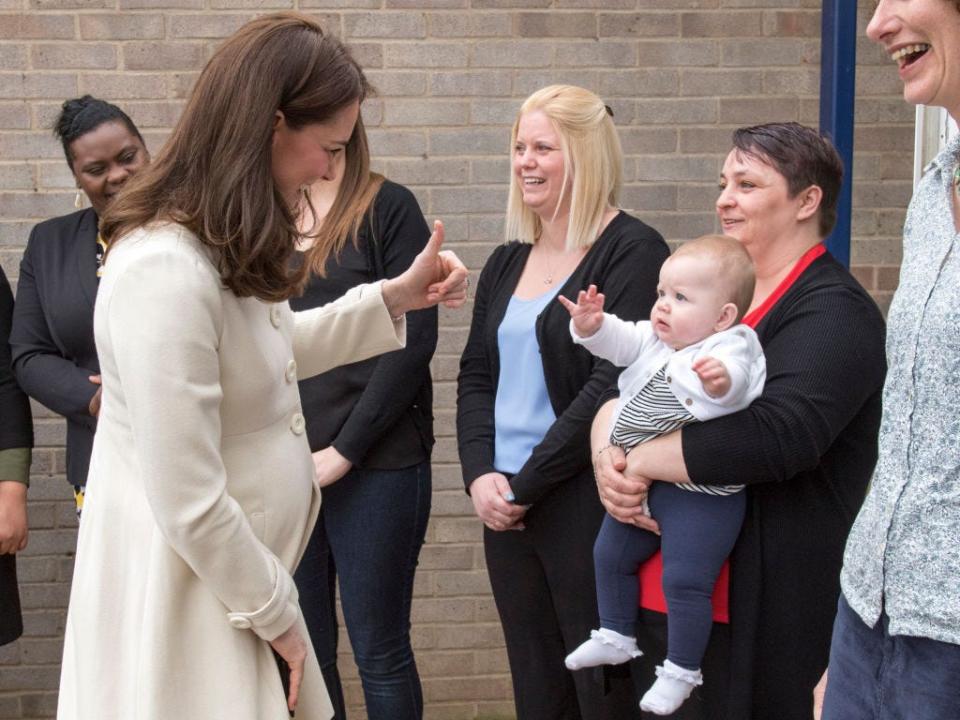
{"type": "Point", "coordinates": [734, 267]}
{"type": "Point", "coordinates": [214, 176]}
{"type": "Point", "coordinates": [803, 157]}
{"type": "Point", "coordinates": [354, 202]}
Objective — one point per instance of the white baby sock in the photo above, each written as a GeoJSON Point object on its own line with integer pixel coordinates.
{"type": "Point", "coordinates": [674, 685]}
{"type": "Point", "coordinates": [605, 647]}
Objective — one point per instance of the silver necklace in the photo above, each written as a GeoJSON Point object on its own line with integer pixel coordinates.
{"type": "Point", "coordinates": [551, 271]}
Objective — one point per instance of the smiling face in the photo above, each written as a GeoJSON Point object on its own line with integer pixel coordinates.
{"type": "Point", "coordinates": [302, 157]}
{"type": "Point", "coordinates": [690, 301]}
{"type": "Point", "coordinates": [538, 166]}
{"type": "Point", "coordinates": [104, 159]}
{"type": "Point", "coordinates": [755, 205]}
{"type": "Point", "coordinates": [923, 38]}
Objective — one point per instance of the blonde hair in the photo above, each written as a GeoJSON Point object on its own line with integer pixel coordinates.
{"type": "Point", "coordinates": [734, 267]}
{"type": "Point", "coordinates": [592, 158]}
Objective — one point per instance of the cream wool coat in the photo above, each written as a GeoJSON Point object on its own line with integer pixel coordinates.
{"type": "Point", "coordinates": [200, 498]}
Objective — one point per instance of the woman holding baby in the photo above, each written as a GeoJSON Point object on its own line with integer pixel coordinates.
{"type": "Point", "coordinates": [804, 449]}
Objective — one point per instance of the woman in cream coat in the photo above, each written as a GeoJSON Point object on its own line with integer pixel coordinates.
{"type": "Point", "coordinates": [200, 498]}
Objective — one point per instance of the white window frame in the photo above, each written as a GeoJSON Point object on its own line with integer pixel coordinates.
{"type": "Point", "coordinates": [934, 129]}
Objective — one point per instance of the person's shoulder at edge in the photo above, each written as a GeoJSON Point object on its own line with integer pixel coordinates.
{"type": "Point", "coordinates": [830, 278]}
{"type": "Point", "coordinates": [504, 251]}
{"type": "Point", "coordinates": [627, 228]}
{"type": "Point", "coordinates": [393, 193]}
{"type": "Point", "coordinates": [628, 220]}
{"type": "Point", "coordinates": [394, 202]}
{"type": "Point", "coordinates": [55, 226]}
{"type": "Point", "coordinates": [628, 234]}
{"type": "Point", "coordinates": [157, 238]}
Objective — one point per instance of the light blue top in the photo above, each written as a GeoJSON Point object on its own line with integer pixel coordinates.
{"type": "Point", "coordinates": [522, 412]}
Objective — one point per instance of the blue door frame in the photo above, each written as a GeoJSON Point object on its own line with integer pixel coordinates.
{"type": "Point", "coordinates": [838, 66]}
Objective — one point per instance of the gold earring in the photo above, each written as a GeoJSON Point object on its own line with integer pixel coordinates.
{"type": "Point", "coordinates": [78, 200]}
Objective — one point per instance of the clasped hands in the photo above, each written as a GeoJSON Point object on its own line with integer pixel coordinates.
{"type": "Point", "coordinates": [493, 502]}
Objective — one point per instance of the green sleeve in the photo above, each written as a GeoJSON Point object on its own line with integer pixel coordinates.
{"type": "Point", "coordinates": [15, 465]}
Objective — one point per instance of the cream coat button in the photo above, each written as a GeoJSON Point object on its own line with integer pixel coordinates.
{"type": "Point", "coordinates": [291, 373]}
{"type": "Point", "coordinates": [275, 315]}
{"type": "Point", "coordinates": [241, 623]}
{"type": "Point", "coordinates": [688, 401]}
{"type": "Point", "coordinates": [297, 424]}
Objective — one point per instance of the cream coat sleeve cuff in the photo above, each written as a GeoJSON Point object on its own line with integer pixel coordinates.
{"type": "Point", "coordinates": [277, 614]}
{"type": "Point", "coordinates": [355, 327]}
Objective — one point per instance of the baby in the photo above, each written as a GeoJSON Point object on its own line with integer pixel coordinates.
{"type": "Point", "coordinates": [690, 362]}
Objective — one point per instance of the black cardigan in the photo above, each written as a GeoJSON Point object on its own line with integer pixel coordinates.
{"type": "Point", "coordinates": [52, 336]}
{"type": "Point", "coordinates": [806, 449]}
{"type": "Point", "coordinates": [624, 263]}
{"type": "Point", "coordinates": [16, 431]}
{"type": "Point", "coordinates": [377, 413]}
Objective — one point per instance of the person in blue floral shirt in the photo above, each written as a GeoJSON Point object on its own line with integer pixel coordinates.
{"type": "Point", "coordinates": [895, 651]}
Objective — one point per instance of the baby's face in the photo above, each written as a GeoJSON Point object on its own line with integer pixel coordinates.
{"type": "Point", "coordinates": [689, 302]}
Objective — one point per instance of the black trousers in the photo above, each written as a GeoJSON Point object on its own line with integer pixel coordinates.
{"type": "Point", "coordinates": [11, 624]}
{"type": "Point", "coordinates": [543, 585]}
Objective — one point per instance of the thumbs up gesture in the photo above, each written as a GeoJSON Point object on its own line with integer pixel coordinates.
{"type": "Point", "coordinates": [435, 276]}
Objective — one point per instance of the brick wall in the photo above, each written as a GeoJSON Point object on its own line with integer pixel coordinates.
{"type": "Point", "coordinates": [679, 74]}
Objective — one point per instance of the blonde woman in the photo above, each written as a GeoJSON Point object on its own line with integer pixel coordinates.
{"type": "Point", "coordinates": [527, 394]}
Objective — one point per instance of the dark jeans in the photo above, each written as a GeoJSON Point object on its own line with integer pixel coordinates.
{"type": "Point", "coordinates": [878, 676]}
{"type": "Point", "coordinates": [697, 534]}
{"type": "Point", "coordinates": [541, 579]}
{"type": "Point", "coordinates": [370, 531]}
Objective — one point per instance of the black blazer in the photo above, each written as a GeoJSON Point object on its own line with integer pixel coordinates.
{"type": "Point", "coordinates": [624, 263]}
{"type": "Point", "coordinates": [52, 336]}
{"type": "Point", "coordinates": [16, 431]}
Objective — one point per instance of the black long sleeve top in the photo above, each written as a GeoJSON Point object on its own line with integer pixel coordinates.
{"type": "Point", "coordinates": [377, 413]}
{"type": "Point", "coordinates": [16, 429]}
{"type": "Point", "coordinates": [806, 449]}
{"type": "Point", "coordinates": [624, 263]}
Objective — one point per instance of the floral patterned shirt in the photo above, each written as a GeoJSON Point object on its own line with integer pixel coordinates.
{"type": "Point", "coordinates": [903, 553]}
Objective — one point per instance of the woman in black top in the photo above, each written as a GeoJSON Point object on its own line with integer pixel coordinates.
{"type": "Point", "coordinates": [805, 449]}
{"type": "Point", "coordinates": [54, 357]}
{"type": "Point", "coordinates": [370, 426]}
{"type": "Point", "coordinates": [16, 439]}
{"type": "Point", "coordinates": [527, 394]}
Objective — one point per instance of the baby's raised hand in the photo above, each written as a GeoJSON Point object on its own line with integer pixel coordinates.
{"type": "Point", "coordinates": [714, 376]}
{"type": "Point", "coordinates": [587, 312]}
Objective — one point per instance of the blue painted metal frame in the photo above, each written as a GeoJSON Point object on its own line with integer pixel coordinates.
{"type": "Point", "coordinates": [838, 65]}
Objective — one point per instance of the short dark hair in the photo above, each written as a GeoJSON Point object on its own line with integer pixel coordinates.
{"type": "Point", "coordinates": [81, 115]}
{"type": "Point", "coordinates": [803, 156]}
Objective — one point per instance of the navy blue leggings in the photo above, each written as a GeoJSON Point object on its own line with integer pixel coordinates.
{"type": "Point", "coordinates": [697, 534]}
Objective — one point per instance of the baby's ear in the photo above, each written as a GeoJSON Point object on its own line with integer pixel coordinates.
{"type": "Point", "coordinates": [728, 316]}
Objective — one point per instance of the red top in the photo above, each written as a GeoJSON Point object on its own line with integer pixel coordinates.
{"type": "Point", "coordinates": [651, 587]}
